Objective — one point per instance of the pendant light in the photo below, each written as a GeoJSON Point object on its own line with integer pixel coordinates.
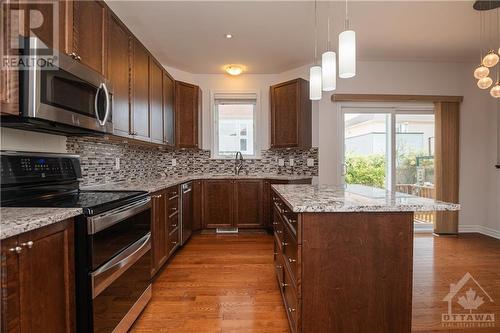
{"type": "Point", "coordinates": [485, 82]}
{"type": "Point", "coordinates": [495, 91]}
{"type": "Point", "coordinates": [481, 71]}
{"type": "Point", "coordinates": [329, 64]}
{"type": "Point", "coordinates": [315, 93]}
{"type": "Point", "coordinates": [347, 50]}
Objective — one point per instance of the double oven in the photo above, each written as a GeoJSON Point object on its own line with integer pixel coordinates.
{"type": "Point", "coordinates": [113, 275]}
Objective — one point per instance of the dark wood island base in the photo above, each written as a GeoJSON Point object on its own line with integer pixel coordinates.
{"type": "Point", "coordinates": [344, 272]}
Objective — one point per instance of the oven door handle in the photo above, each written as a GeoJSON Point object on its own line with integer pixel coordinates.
{"type": "Point", "coordinates": [114, 268]}
{"type": "Point", "coordinates": [107, 219]}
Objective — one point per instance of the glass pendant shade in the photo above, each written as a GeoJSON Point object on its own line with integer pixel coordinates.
{"type": "Point", "coordinates": [315, 83]}
{"type": "Point", "coordinates": [485, 83]}
{"type": "Point", "coordinates": [491, 59]}
{"type": "Point", "coordinates": [495, 91]}
{"type": "Point", "coordinates": [329, 71]}
{"type": "Point", "coordinates": [347, 54]}
{"type": "Point", "coordinates": [481, 71]}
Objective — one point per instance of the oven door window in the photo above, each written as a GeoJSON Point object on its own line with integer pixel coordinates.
{"type": "Point", "coordinates": [107, 243]}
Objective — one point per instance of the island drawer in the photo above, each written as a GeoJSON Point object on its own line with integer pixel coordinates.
{"type": "Point", "coordinates": [173, 240]}
{"type": "Point", "coordinates": [291, 301]}
{"type": "Point", "coordinates": [278, 262]}
{"type": "Point", "coordinates": [290, 252]}
{"type": "Point", "coordinates": [277, 224]}
{"type": "Point", "coordinates": [285, 213]}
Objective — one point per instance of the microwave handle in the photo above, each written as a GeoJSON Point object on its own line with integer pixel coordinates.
{"type": "Point", "coordinates": [103, 87]}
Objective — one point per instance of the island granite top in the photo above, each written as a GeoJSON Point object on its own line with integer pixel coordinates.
{"type": "Point", "coordinates": [355, 198]}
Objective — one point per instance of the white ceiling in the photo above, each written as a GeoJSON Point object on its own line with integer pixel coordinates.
{"type": "Point", "coordinates": [275, 36]}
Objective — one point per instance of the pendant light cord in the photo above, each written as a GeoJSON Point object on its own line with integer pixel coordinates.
{"type": "Point", "coordinates": [315, 32]}
{"type": "Point", "coordinates": [346, 23]}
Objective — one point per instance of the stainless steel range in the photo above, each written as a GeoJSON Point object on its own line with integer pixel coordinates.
{"type": "Point", "coordinates": [112, 237]}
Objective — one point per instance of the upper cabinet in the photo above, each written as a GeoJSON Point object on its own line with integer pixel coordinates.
{"type": "Point", "coordinates": [291, 124]}
{"type": "Point", "coordinates": [156, 101]}
{"type": "Point", "coordinates": [168, 109]}
{"type": "Point", "coordinates": [86, 33]}
{"type": "Point", "coordinates": [140, 92]}
{"type": "Point", "coordinates": [119, 65]}
{"type": "Point", "coordinates": [187, 115]}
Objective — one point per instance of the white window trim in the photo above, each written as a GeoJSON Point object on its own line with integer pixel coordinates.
{"type": "Point", "coordinates": [214, 154]}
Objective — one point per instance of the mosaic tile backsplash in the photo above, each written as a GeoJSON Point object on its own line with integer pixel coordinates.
{"type": "Point", "coordinates": [98, 160]}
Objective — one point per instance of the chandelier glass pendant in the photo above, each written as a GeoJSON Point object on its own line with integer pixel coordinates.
{"type": "Point", "coordinates": [491, 59]}
{"type": "Point", "coordinates": [315, 71]}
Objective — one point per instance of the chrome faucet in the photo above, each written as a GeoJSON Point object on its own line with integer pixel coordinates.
{"type": "Point", "coordinates": [238, 163]}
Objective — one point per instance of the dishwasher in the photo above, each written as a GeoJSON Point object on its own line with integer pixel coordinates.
{"type": "Point", "coordinates": [186, 228]}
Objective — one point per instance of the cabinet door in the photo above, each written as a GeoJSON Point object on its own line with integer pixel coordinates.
{"type": "Point", "coordinates": [156, 101]}
{"type": "Point", "coordinates": [186, 114]}
{"type": "Point", "coordinates": [266, 204]}
{"type": "Point", "coordinates": [160, 230]}
{"type": "Point", "coordinates": [140, 88]}
{"type": "Point", "coordinates": [217, 203]}
{"type": "Point", "coordinates": [119, 75]}
{"type": "Point", "coordinates": [168, 110]}
{"type": "Point", "coordinates": [284, 111]}
{"type": "Point", "coordinates": [88, 33]}
{"type": "Point", "coordinates": [11, 321]}
{"type": "Point", "coordinates": [248, 203]}
{"type": "Point", "coordinates": [197, 204]}
{"type": "Point", "coordinates": [46, 279]}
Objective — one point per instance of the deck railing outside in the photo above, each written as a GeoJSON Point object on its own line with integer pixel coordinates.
{"type": "Point", "coordinates": [424, 191]}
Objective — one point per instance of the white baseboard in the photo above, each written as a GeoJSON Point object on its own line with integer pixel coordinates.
{"type": "Point", "coordinates": [479, 229]}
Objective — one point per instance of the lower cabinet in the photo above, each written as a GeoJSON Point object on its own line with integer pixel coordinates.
{"type": "Point", "coordinates": [38, 292]}
{"type": "Point", "coordinates": [248, 203]}
{"type": "Point", "coordinates": [218, 203]}
{"type": "Point", "coordinates": [165, 225]}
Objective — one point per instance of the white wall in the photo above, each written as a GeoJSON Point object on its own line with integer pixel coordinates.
{"type": "Point", "coordinates": [479, 181]}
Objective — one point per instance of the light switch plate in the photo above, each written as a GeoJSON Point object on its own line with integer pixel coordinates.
{"type": "Point", "coordinates": [174, 162]}
{"type": "Point", "coordinates": [117, 163]}
{"type": "Point", "coordinates": [291, 161]}
{"type": "Point", "coordinates": [281, 162]}
{"type": "Point", "coordinates": [310, 162]}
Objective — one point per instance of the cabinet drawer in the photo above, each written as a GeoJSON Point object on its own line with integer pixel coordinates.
{"type": "Point", "coordinates": [278, 262]}
{"type": "Point", "coordinates": [173, 240]}
{"type": "Point", "coordinates": [277, 225]}
{"type": "Point", "coordinates": [290, 252]}
{"type": "Point", "coordinates": [173, 194]}
{"type": "Point", "coordinates": [291, 301]}
{"type": "Point", "coordinates": [173, 222]}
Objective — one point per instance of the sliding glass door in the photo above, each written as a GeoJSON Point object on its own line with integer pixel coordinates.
{"type": "Point", "coordinates": [390, 147]}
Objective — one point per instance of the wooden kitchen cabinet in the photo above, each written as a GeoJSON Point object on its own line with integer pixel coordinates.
{"type": "Point", "coordinates": [197, 204]}
{"type": "Point", "coordinates": [156, 101]}
{"type": "Point", "coordinates": [187, 115]}
{"type": "Point", "coordinates": [218, 203]}
{"type": "Point", "coordinates": [168, 109]}
{"type": "Point", "coordinates": [119, 65]}
{"type": "Point", "coordinates": [140, 92]}
{"type": "Point", "coordinates": [248, 194]}
{"type": "Point", "coordinates": [291, 124]}
{"type": "Point", "coordinates": [86, 31]}
{"type": "Point", "coordinates": [35, 265]}
{"type": "Point", "coordinates": [159, 229]}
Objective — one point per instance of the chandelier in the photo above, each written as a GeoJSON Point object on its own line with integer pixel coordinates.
{"type": "Point", "coordinates": [489, 36]}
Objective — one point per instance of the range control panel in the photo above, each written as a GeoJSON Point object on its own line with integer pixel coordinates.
{"type": "Point", "coordinates": [17, 168]}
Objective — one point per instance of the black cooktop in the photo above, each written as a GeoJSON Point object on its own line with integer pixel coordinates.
{"type": "Point", "coordinates": [92, 202]}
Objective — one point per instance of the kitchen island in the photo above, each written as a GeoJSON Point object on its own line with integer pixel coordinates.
{"type": "Point", "coordinates": [344, 256]}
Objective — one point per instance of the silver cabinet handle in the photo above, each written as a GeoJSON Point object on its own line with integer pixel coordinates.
{"type": "Point", "coordinates": [78, 57]}
{"type": "Point", "coordinates": [279, 266]}
{"type": "Point", "coordinates": [290, 260]}
{"type": "Point", "coordinates": [284, 243]}
{"type": "Point", "coordinates": [174, 243]}
{"type": "Point", "coordinates": [275, 223]}
{"type": "Point", "coordinates": [174, 225]}
{"type": "Point", "coordinates": [291, 309]}
{"type": "Point", "coordinates": [16, 249]}
{"type": "Point", "coordinates": [279, 231]}
{"type": "Point", "coordinates": [284, 285]}
{"type": "Point", "coordinates": [174, 209]}
{"type": "Point", "coordinates": [72, 55]}
{"type": "Point", "coordinates": [29, 244]}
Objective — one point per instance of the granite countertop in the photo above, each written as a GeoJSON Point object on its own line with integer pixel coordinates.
{"type": "Point", "coordinates": [160, 183]}
{"type": "Point", "coordinates": [355, 198]}
{"type": "Point", "coordinates": [16, 220]}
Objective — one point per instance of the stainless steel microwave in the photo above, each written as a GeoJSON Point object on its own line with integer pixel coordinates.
{"type": "Point", "coordinates": [69, 98]}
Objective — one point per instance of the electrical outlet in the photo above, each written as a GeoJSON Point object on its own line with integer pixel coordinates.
{"type": "Point", "coordinates": [291, 161]}
{"type": "Point", "coordinates": [281, 162]}
{"type": "Point", "coordinates": [310, 162]}
{"type": "Point", "coordinates": [174, 162]}
{"type": "Point", "coordinates": [117, 163]}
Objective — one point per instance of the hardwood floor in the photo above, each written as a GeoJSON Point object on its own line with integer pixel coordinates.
{"type": "Point", "coordinates": [226, 283]}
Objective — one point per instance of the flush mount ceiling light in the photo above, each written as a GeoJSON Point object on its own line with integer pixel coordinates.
{"type": "Point", "coordinates": [487, 63]}
{"type": "Point", "coordinates": [234, 70]}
